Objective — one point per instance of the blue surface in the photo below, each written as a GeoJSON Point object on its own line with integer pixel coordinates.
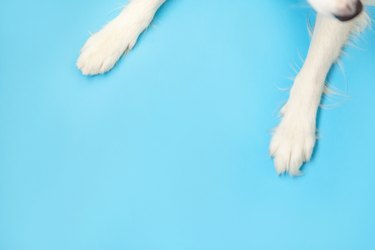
{"type": "Point", "coordinates": [169, 150]}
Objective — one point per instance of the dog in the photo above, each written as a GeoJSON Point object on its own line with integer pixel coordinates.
{"type": "Point", "coordinates": [293, 140]}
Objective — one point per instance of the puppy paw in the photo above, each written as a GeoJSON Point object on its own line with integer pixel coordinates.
{"type": "Point", "coordinates": [103, 49]}
{"type": "Point", "coordinates": [293, 142]}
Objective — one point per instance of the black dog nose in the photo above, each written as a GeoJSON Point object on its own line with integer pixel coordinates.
{"type": "Point", "coordinates": [358, 10]}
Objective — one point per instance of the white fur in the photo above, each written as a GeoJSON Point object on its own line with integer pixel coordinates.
{"type": "Point", "coordinates": [294, 139]}
{"type": "Point", "coordinates": [334, 7]}
{"type": "Point", "coordinates": [103, 49]}
{"type": "Point", "coordinates": [337, 7]}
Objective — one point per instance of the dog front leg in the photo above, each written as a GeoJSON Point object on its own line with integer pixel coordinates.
{"type": "Point", "coordinates": [294, 139]}
{"type": "Point", "coordinates": [103, 49]}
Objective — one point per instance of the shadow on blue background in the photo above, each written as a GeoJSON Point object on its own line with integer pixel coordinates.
{"type": "Point", "coordinates": [169, 150]}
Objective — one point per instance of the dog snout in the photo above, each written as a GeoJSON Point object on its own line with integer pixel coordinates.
{"type": "Point", "coordinates": [349, 11]}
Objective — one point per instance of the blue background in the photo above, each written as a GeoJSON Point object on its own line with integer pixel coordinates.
{"type": "Point", "coordinates": [169, 151]}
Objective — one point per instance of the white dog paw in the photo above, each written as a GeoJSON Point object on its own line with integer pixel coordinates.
{"type": "Point", "coordinates": [103, 49]}
{"type": "Point", "coordinates": [292, 144]}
